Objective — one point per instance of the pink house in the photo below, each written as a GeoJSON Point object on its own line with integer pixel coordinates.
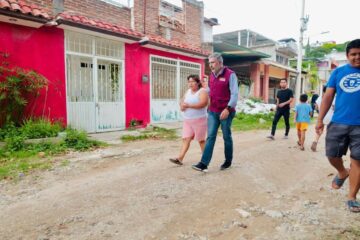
{"type": "Point", "coordinates": [108, 64]}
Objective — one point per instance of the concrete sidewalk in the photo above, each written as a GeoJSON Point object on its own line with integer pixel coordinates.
{"type": "Point", "coordinates": [115, 136]}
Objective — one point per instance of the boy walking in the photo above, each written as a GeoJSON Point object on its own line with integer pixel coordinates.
{"type": "Point", "coordinates": [302, 116]}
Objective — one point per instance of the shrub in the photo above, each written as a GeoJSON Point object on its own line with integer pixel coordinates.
{"type": "Point", "coordinates": [15, 143]}
{"type": "Point", "coordinates": [78, 140]}
{"type": "Point", "coordinates": [40, 128]}
{"type": "Point", "coordinates": [8, 130]}
{"type": "Point", "coordinates": [17, 86]}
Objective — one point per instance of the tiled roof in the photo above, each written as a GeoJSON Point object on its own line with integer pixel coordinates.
{"type": "Point", "coordinates": [176, 44]}
{"type": "Point", "coordinates": [82, 20]}
{"type": "Point", "coordinates": [99, 24]}
{"type": "Point", "coordinates": [24, 8]}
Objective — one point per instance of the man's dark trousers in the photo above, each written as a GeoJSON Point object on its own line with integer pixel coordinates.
{"type": "Point", "coordinates": [281, 112]}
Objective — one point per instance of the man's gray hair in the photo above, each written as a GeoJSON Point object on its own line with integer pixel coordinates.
{"type": "Point", "coordinates": [217, 56]}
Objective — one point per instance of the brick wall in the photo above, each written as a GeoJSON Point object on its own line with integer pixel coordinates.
{"type": "Point", "coordinates": [121, 16]}
{"type": "Point", "coordinates": [95, 9]}
{"type": "Point", "coordinates": [193, 21]}
{"type": "Point", "coordinates": [193, 26]}
{"type": "Point", "coordinates": [100, 10]}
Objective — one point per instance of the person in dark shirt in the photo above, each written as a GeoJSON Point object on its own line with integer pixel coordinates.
{"type": "Point", "coordinates": [314, 97]}
{"type": "Point", "coordinates": [284, 97]}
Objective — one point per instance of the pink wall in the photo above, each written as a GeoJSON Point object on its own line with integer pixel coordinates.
{"type": "Point", "coordinates": [41, 50]}
{"type": "Point", "coordinates": [255, 77]}
{"type": "Point", "coordinates": [137, 93]}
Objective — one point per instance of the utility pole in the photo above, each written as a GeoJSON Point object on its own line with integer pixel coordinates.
{"type": "Point", "coordinates": [303, 27]}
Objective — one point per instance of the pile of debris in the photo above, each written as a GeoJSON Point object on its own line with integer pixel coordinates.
{"type": "Point", "coordinates": [249, 106]}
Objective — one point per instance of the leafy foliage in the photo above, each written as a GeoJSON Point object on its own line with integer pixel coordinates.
{"type": "Point", "coordinates": [78, 140]}
{"type": "Point", "coordinates": [17, 86]}
{"type": "Point", "coordinates": [40, 128]}
{"type": "Point", "coordinates": [154, 133]}
{"type": "Point", "coordinates": [20, 156]}
{"type": "Point", "coordinates": [321, 51]}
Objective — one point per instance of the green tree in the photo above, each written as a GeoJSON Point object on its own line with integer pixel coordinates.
{"type": "Point", "coordinates": [312, 70]}
{"type": "Point", "coordinates": [321, 51]}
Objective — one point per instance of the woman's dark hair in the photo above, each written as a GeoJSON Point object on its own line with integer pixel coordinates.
{"type": "Point", "coordinates": [353, 44]}
{"type": "Point", "coordinates": [196, 79]}
{"type": "Point", "coordinates": [303, 97]}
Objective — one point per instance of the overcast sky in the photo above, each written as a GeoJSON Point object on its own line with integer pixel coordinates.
{"type": "Point", "coordinates": [277, 19]}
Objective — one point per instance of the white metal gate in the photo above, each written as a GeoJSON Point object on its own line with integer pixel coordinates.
{"type": "Point", "coordinates": [95, 95]}
{"type": "Point", "coordinates": [168, 85]}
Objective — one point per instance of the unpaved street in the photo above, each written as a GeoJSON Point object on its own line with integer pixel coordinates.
{"type": "Point", "coordinates": [131, 191]}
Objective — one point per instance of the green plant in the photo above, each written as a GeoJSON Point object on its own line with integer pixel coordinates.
{"type": "Point", "coordinates": [256, 99]}
{"type": "Point", "coordinates": [17, 87]}
{"type": "Point", "coordinates": [8, 130]}
{"type": "Point", "coordinates": [18, 158]}
{"type": "Point", "coordinates": [245, 122]}
{"type": "Point", "coordinates": [135, 122]}
{"type": "Point", "coordinates": [154, 133]}
{"type": "Point", "coordinates": [78, 140]}
{"type": "Point", "coordinates": [15, 143]}
{"type": "Point", "coordinates": [40, 128]}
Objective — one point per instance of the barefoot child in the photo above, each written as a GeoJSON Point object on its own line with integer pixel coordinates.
{"type": "Point", "coordinates": [302, 119]}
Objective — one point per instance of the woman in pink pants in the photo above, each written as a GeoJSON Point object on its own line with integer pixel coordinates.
{"type": "Point", "coordinates": [194, 107]}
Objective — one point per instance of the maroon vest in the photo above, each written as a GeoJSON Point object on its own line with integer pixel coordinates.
{"type": "Point", "coordinates": [219, 91]}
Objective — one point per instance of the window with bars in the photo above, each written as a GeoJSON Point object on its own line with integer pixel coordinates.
{"type": "Point", "coordinates": [172, 15]}
{"type": "Point", "coordinates": [83, 43]}
{"type": "Point", "coordinates": [165, 74]}
{"type": "Point", "coordinates": [121, 3]}
{"type": "Point", "coordinates": [184, 73]}
{"type": "Point", "coordinates": [163, 81]}
{"type": "Point", "coordinates": [108, 48]}
{"type": "Point", "coordinates": [79, 43]}
{"type": "Point", "coordinates": [79, 78]}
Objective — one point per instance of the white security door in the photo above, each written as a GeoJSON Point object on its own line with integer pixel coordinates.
{"type": "Point", "coordinates": [95, 86]}
{"type": "Point", "coordinates": [168, 86]}
{"type": "Point", "coordinates": [110, 104]}
{"type": "Point", "coordinates": [80, 97]}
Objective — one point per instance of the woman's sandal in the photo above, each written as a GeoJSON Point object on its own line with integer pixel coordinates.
{"type": "Point", "coordinates": [353, 205]}
{"type": "Point", "coordinates": [176, 161]}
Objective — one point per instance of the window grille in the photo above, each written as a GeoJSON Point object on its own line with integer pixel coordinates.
{"type": "Point", "coordinates": [79, 78]}
{"type": "Point", "coordinates": [108, 48]}
{"type": "Point", "coordinates": [165, 74]}
{"type": "Point", "coordinates": [109, 81]}
{"type": "Point", "coordinates": [184, 73]}
{"type": "Point", "coordinates": [163, 81]}
{"type": "Point", "coordinates": [79, 43]}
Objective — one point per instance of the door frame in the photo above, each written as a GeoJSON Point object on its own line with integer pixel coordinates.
{"type": "Point", "coordinates": [94, 60]}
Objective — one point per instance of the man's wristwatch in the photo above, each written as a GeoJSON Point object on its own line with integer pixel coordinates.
{"type": "Point", "coordinates": [228, 108]}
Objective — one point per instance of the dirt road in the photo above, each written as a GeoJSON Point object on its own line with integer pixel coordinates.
{"type": "Point", "coordinates": [131, 191]}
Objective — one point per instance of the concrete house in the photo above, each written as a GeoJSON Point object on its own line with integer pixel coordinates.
{"type": "Point", "coordinates": [108, 62]}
